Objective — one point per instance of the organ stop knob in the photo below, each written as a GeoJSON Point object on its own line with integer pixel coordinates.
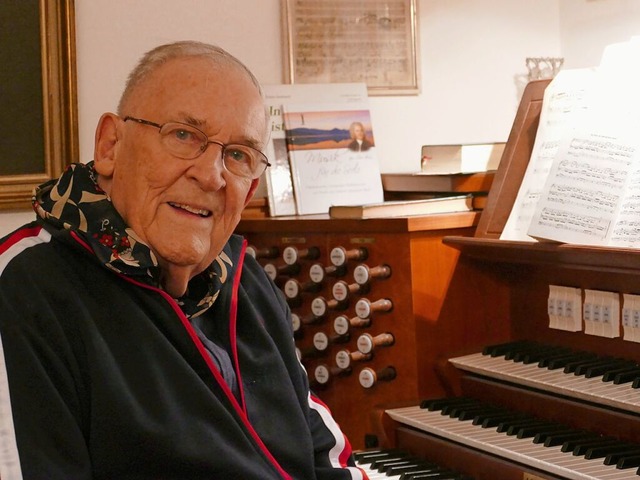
{"type": "Point", "coordinates": [340, 255]}
{"type": "Point", "coordinates": [292, 255]}
{"type": "Point", "coordinates": [363, 274]}
{"type": "Point", "coordinates": [368, 377]}
{"type": "Point", "coordinates": [367, 343]}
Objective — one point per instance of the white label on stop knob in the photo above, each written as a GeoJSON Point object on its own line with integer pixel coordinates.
{"type": "Point", "coordinates": [290, 255]}
{"type": "Point", "coordinates": [295, 320]}
{"type": "Point", "coordinates": [365, 343]}
{"type": "Point", "coordinates": [320, 341]}
{"type": "Point", "coordinates": [343, 359]}
{"type": "Point", "coordinates": [321, 374]}
{"type": "Point", "coordinates": [340, 291]}
{"type": "Point", "coordinates": [367, 378]}
{"type": "Point", "coordinates": [363, 308]}
{"type": "Point", "coordinates": [291, 289]}
{"type": "Point", "coordinates": [316, 273]}
{"type": "Point", "coordinates": [318, 307]}
{"type": "Point", "coordinates": [338, 256]}
{"type": "Point", "coordinates": [341, 325]}
{"type": "Point", "coordinates": [251, 251]}
{"type": "Point", "coordinates": [361, 274]}
{"type": "Point", "coordinates": [271, 270]}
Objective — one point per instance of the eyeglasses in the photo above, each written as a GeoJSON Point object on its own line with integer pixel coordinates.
{"type": "Point", "coordinates": [188, 142]}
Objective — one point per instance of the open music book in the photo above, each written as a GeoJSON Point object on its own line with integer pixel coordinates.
{"type": "Point", "coordinates": [582, 183]}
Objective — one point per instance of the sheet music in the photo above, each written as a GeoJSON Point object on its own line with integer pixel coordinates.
{"type": "Point", "coordinates": [566, 101]}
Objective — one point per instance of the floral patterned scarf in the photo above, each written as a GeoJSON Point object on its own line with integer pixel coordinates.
{"type": "Point", "coordinates": [75, 202]}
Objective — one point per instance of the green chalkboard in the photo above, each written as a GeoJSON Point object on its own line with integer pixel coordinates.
{"type": "Point", "coordinates": [21, 99]}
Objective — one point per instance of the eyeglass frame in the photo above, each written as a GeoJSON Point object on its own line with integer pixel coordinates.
{"type": "Point", "coordinates": [204, 146]}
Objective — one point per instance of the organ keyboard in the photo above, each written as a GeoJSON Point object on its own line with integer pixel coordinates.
{"type": "Point", "coordinates": [399, 465]}
{"type": "Point", "coordinates": [604, 380]}
{"type": "Point", "coordinates": [518, 438]}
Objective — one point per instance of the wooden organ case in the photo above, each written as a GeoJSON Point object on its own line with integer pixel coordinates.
{"type": "Point", "coordinates": [563, 405]}
{"type": "Point", "coordinates": [363, 294]}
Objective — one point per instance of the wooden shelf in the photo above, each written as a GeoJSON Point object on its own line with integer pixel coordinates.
{"type": "Point", "coordinates": [325, 224]}
{"type": "Point", "coordinates": [619, 260]}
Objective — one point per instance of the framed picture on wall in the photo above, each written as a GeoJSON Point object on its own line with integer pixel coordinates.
{"type": "Point", "coordinates": [367, 41]}
{"type": "Point", "coordinates": [38, 119]}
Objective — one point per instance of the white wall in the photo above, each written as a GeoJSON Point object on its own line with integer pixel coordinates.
{"type": "Point", "coordinates": [472, 58]}
{"type": "Point", "coordinates": [470, 53]}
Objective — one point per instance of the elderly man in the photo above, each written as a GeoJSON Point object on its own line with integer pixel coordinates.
{"type": "Point", "coordinates": [138, 340]}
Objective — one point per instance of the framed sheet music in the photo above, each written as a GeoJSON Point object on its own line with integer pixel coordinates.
{"type": "Point", "coordinates": [342, 41]}
{"type": "Point", "coordinates": [39, 108]}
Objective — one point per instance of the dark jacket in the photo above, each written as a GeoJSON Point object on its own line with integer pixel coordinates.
{"type": "Point", "coordinates": [109, 380]}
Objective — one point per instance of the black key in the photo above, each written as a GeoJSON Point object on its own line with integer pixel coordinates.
{"type": "Point", "coordinates": [447, 409]}
{"type": "Point", "coordinates": [467, 412]}
{"type": "Point", "coordinates": [518, 352]}
{"type": "Point", "coordinates": [569, 445]}
{"type": "Point", "coordinates": [418, 466]}
{"type": "Point", "coordinates": [626, 377]}
{"type": "Point", "coordinates": [410, 462]}
{"type": "Point", "coordinates": [544, 362]}
{"type": "Point", "coordinates": [601, 365]}
{"type": "Point", "coordinates": [437, 403]}
{"type": "Point", "coordinates": [620, 373]}
{"type": "Point", "coordinates": [552, 439]}
{"type": "Point", "coordinates": [442, 474]}
{"type": "Point", "coordinates": [636, 383]}
{"type": "Point", "coordinates": [571, 367]}
{"type": "Point", "coordinates": [504, 427]}
{"type": "Point", "coordinates": [527, 432]}
{"type": "Point", "coordinates": [562, 362]}
{"type": "Point", "coordinates": [368, 456]}
{"type": "Point", "coordinates": [502, 348]}
{"type": "Point", "coordinates": [598, 371]}
{"type": "Point", "coordinates": [539, 355]}
{"type": "Point", "coordinates": [495, 421]}
{"type": "Point", "coordinates": [629, 452]}
{"type": "Point", "coordinates": [630, 461]}
{"type": "Point", "coordinates": [581, 449]}
{"type": "Point", "coordinates": [498, 412]}
{"type": "Point", "coordinates": [604, 450]}
{"type": "Point", "coordinates": [517, 429]}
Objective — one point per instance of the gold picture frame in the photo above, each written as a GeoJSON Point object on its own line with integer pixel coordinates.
{"type": "Point", "coordinates": [49, 115]}
{"type": "Point", "coordinates": [369, 41]}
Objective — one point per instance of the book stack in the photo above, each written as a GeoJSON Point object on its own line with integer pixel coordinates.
{"type": "Point", "coordinates": [448, 170]}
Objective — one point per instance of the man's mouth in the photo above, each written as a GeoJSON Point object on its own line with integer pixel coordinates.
{"type": "Point", "coordinates": [196, 211]}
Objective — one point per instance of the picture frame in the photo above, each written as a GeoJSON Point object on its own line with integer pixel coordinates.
{"type": "Point", "coordinates": [41, 105]}
{"type": "Point", "coordinates": [369, 41]}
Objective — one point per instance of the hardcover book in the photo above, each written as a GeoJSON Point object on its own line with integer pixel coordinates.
{"type": "Point", "coordinates": [332, 155]}
{"type": "Point", "coordinates": [446, 159]}
{"type": "Point", "coordinates": [279, 182]}
{"type": "Point", "coordinates": [403, 208]}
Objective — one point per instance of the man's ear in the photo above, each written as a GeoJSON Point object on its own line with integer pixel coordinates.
{"type": "Point", "coordinates": [106, 139]}
{"type": "Point", "coordinates": [252, 190]}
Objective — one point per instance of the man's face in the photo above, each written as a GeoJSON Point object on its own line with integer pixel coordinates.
{"type": "Point", "coordinates": [184, 210]}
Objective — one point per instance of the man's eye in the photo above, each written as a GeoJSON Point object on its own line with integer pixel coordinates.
{"type": "Point", "coordinates": [184, 135]}
{"type": "Point", "coordinates": [237, 155]}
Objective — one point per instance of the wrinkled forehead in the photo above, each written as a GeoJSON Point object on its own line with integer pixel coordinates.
{"type": "Point", "coordinates": [201, 88]}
